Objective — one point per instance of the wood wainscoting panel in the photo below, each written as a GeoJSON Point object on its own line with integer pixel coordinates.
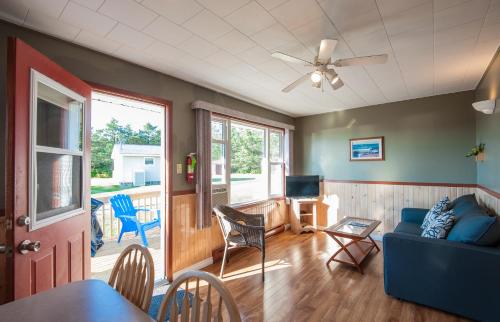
{"type": "Point", "coordinates": [384, 201]}
{"type": "Point", "coordinates": [191, 245]}
{"type": "Point", "coordinates": [488, 199]}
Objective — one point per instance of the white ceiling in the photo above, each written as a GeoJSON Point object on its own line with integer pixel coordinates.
{"type": "Point", "coordinates": [434, 47]}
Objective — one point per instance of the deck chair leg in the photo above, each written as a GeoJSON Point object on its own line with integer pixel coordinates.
{"type": "Point", "coordinates": [223, 261]}
{"type": "Point", "coordinates": [120, 236]}
{"type": "Point", "coordinates": [143, 237]}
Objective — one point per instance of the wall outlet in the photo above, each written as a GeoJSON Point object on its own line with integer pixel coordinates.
{"type": "Point", "coordinates": [179, 168]}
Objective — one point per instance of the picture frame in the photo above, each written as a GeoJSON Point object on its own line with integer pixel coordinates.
{"type": "Point", "coordinates": [367, 149]}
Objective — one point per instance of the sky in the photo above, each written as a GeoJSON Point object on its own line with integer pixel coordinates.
{"type": "Point", "coordinates": [136, 113]}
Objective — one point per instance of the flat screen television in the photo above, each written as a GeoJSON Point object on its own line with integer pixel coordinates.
{"type": "Point", "coordinates": [302, 186]}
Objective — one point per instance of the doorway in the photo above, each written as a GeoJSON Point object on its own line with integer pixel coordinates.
{"type": "Point", "coordinates": [129, 161]}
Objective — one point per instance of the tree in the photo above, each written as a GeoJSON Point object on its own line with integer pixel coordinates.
{"type": "Point", "coordinates": [247, 150]}
{"type": "Point", "coordinates": [103, 141]}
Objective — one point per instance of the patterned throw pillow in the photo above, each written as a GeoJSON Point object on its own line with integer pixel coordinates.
{"type": "Point", "coordinates": [435, 211]}
{"type": "Point", "coordinates": [440, 226]}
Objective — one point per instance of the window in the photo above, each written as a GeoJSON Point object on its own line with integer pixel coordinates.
{"type": "Point", "coordinates": [149, 161]}
{"type": "Point", "coordinates": [219, 148]}
{"type": "Point", "coordinates": [57, 152]}
{"type": "Point", "coordinates": [276, 165]}
{"type": "Point", "coordinates": [249, 157]}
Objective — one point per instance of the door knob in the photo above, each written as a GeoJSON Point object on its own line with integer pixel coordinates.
{"type": "Point", "coordinates": [29, 246]}
{"type": "Point", "coordinates": [23, 221]}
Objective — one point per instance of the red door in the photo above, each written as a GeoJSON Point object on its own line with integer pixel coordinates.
{"type": "Point", "coordinates": [48, 166]}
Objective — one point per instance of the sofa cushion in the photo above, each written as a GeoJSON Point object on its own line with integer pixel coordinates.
{"type": "Point", "coordinates": [492, 236]}
{"type": "Point", "coordinates": [464, 205]}
{"type": "Point", "coordinates": [481, 230]}
{"type": "Point", "coordinates": [439, 227]}
{"type": "Point", "coordinates": [408, 228]}
{"type": "Point", "coordinates": [435, 211]}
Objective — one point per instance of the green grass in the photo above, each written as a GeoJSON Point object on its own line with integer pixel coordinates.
{"type": "Point", "coordinates": [100, 189]}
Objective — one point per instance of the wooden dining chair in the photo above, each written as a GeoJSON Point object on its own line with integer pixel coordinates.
{"type": "Point", "coordinates": [133, 276]}
{"type": "Point", "coordinates": [208, 300]}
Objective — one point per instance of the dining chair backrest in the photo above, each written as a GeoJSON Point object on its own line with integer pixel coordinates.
{"type": "Point", "coordinates": [133, 276]}
{"type": "Point", "coordinates": [205, 299]}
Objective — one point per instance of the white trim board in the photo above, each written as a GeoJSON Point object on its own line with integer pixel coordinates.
{"type": "Point", "coordinates": [237, 114]}
{"type": "Point", "coordinates": [204, 263]}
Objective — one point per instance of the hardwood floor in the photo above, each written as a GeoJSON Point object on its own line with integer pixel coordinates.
{"type": "Point", "coordinates": [299, 286]}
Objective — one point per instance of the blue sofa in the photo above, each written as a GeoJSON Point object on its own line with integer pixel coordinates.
{"type": "Point", "coordinates": [452, 276]}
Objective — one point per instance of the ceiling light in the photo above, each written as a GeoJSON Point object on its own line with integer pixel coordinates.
{"type": "Point", "coordinates": [316, 77]}
{"type": "Point", "coordinates": [332, 76]}
{"type": "Point", "coordinates": [486, 106]}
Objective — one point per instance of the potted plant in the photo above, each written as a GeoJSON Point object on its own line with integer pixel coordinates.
{"type": "Point", "coordinates": [477, 152]}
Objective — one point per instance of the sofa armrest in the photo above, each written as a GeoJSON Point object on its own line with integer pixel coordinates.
{"type": "Point", "coordinates": [451, 276]}
{"type": "Point", "coordinates": [413, 215]}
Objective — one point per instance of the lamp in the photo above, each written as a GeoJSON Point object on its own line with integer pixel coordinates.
{"type": "Point", "coordinates": [332, 76]}
{"type": "Point", "coordinates": [316, 77]}
{"type": "Point", "coordinates": [486, 106]}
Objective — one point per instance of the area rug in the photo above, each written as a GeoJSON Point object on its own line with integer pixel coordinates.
{"type": "Point", "coordinates": [156, 302]}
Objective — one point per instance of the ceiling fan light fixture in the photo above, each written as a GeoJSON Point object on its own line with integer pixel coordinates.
{"type": "Point", "coordinates": [335, 79]}
{"type": "Point", "coordinates": [316, 77]}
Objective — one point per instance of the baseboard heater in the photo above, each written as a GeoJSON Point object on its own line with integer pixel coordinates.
{"type": "Point", "coordinates": [218, 253]}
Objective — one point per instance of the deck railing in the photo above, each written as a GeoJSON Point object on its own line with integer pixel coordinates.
{"type": "Point", "coordinates": [111, 225]}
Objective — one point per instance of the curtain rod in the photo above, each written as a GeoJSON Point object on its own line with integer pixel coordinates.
{"type": "Point", "coordinates": [237, 114]}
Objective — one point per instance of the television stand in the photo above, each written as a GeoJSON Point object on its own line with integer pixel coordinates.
{"type": "Point", "coordinates": [303, 215]}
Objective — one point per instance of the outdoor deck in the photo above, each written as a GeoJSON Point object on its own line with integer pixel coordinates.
{"type": "Point", "coordinates": [106, 256]}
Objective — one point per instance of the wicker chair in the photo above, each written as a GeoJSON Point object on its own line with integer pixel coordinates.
{"type": "Point", "coordinates": [240, 230]}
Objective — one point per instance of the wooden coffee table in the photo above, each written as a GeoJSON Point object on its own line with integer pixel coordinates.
{"type": "Point", "coordinates": [358, 231]}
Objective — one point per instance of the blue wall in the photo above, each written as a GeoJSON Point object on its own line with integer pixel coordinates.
{"type": "Point", "coordinates": [425, 141]}
{"type": "Point", "coordinates": [488, 127]}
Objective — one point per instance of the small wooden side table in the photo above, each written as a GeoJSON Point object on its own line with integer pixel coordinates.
{"type": "Point", "coordinates": [358, 230]}
{"type": "Point", "coordinates": [303, 215]}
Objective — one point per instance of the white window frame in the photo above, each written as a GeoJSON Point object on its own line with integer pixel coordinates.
{"type": "Point", "coordinates": [149, 158]}
{"type": "Point", "coordinates": [37, 77]}
{"type": "Point", "coordinates": [280, 162]}
{"type": "Point", "coordinates": [226, 141]}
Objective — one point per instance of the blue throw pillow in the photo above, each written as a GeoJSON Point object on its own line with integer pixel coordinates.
{"type": "Point", "coordinates": [476, 230]}
{"type": "Point", "coordinates": [439, 227]}
{"type": "Point", "coordinates": [435, 211]}
{"type": "Point", "coordinates": [465, 205]}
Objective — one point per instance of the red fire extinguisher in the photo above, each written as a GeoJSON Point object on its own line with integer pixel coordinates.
{"type": "Point", "coordinates": [190, 167]}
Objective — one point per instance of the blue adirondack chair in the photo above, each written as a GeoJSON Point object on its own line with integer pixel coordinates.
{"type": "Point", "coordinates": [127, 213]}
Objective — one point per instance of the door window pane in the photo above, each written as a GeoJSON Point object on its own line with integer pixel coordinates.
{"type": "Point", "coordinates": [59, 185]}
{"type": "Point", "coordinates": [248, 175]}
{"type": "Point", "coordinates": [276, 178]}
{"type": "Point", "coordinates": [59, 122]}
{"type": "Point", "coordinates": [57, 152]}
{"type": "Point", "coordinates": [218, 163]}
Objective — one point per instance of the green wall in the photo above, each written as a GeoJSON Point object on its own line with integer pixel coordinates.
{"type": "Point", "coordinates": [100, 68]}
{"type": "Point", "coordinates": [488, 127]}
{"type": "Point", "coordinates": [425, 141]}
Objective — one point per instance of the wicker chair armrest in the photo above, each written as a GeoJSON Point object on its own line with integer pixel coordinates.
{"type": "Point", "coordinates": [237, 226]}
{"type": "Point", "coordinates": [253, 220]}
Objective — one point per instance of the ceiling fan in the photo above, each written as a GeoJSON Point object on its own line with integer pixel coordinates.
{"type": "Point", "coordinates": [322, 65]}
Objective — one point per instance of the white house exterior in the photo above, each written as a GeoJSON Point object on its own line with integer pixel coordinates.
{"type": "Point", "coordinates": [136, 165]}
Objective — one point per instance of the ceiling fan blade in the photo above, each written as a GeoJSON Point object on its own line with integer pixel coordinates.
{"type": "Point", "coordinates": [325, 50]}
{"type": "Point", "coordinates": [296, 83]}
{"type": "Point", "coordinates": [289, 59]}
{"type": "Point", "coordinates": [365, 60]}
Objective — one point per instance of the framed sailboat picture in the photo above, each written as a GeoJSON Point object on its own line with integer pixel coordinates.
{"type": "Point", "coordinates": [367, 149]}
